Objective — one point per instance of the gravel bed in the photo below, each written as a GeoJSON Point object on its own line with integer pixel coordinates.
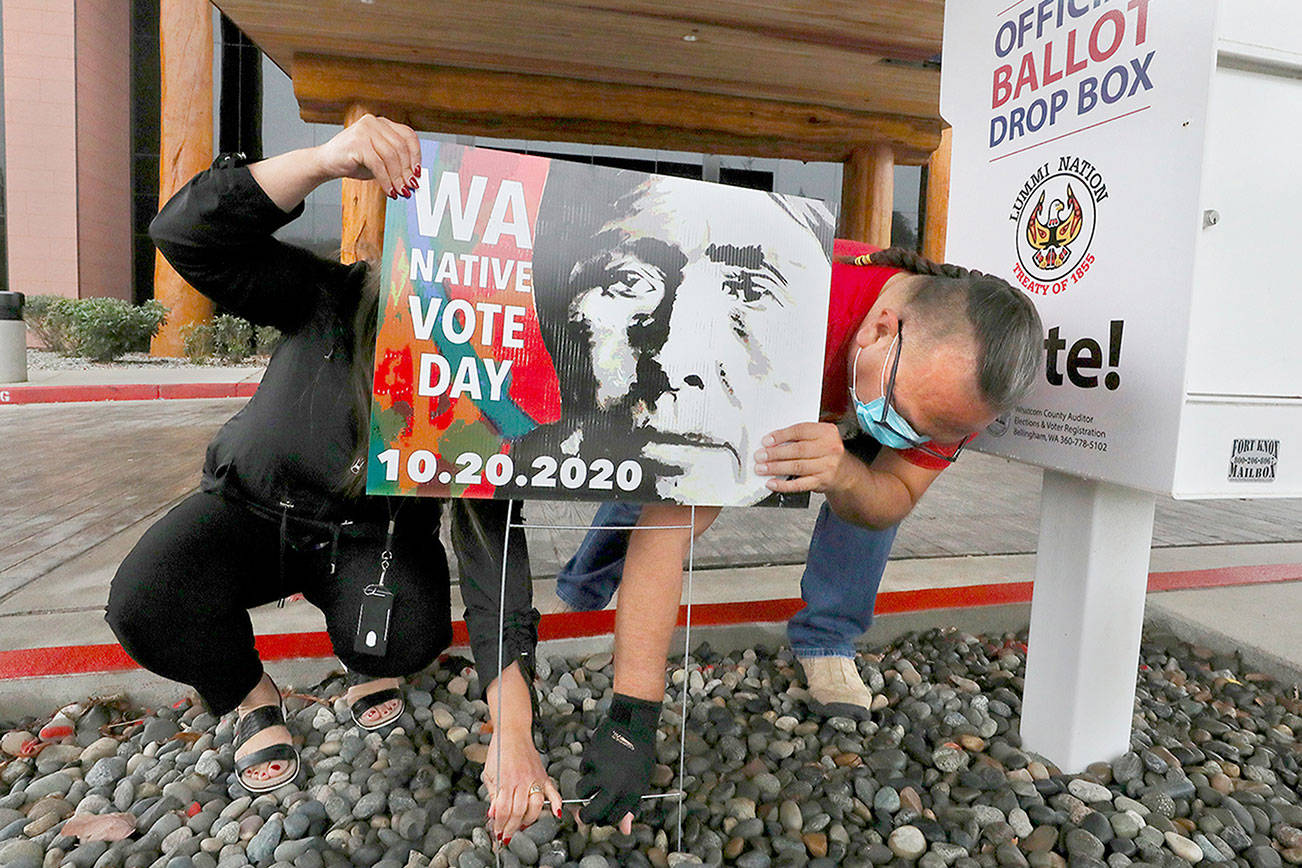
{"type": "Point", "coordinates": [44, 360]}
{"type": "Point", "coordinates": [936, 779]}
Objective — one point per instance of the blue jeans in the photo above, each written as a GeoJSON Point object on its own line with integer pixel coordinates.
{"type": "Point", "coordinates": [839, 586]}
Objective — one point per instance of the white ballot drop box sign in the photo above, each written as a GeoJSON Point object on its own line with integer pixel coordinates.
{"type": "Point", "coordinates": [1133, 166]}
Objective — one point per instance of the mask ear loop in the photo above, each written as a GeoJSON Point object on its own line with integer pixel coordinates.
{"type": "Point", "coordinates": [854, 375]}
{"type": "Point", "coordinates": [854, 369]}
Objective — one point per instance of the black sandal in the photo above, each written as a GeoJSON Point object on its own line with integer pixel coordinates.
{"type": "Point", "coordinates": [365, 703]}
{"type": "Point", "coordinates": [250, 724]}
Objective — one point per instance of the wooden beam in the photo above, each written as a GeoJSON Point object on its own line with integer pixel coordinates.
{"type": "Point", "coordinates": [185, 147]}
{"type": "Point", "coordinates": [362, 211]}
{"type": "Point", "coordinates": [937, 225]}
{"type": "Point", "coordinates": [510, 105]}
{"type": "Point", "coordinates": [809, 51]}
{"type": "Point", "coordinates": [902, 29]}
{"type": "Point", "coordinates": [868, 195]}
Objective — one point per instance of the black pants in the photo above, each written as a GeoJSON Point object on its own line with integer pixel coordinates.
{"type": "Point", "coordinates": [179, 602]}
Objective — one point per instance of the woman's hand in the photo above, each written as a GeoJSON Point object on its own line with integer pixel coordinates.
{"type": "Point", "coordinates": [369, 148]}
{"type": "Point", "coordinates": [374, 148]}
{"type": "Point", "coordinates": [518, 787]}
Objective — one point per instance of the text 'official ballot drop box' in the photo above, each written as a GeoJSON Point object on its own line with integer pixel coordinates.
{"type": "Point", "coordinates": [1133, 166]}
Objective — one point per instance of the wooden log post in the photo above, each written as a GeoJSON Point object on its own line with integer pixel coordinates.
{"type": "Point", "coordinates": [937, 225]}
{"type": "Point", "coordinates": [362, 212]}
{"type": "Point", "coordinates": [185, 147]}
{"type": "Point", "coordinates": [868, 195]}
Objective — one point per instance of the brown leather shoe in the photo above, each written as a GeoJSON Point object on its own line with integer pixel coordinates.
{"type": "Point", "coordinates": [835, 687]}
{"type": "Point", "coordinates": [551, 604]}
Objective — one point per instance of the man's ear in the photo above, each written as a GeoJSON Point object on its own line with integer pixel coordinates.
{"type": "Point", "coordinates": [880, 323]}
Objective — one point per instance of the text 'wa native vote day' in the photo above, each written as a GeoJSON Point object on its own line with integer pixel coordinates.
{"type": "Point", "coordinates": [459, 320]}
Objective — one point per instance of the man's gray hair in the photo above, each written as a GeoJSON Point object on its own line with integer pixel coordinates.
{"type": "Point", "coordinates": [1003, 321]}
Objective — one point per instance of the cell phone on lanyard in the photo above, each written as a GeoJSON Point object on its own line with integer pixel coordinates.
{"type": "Point", "coordinates": [377, 605]}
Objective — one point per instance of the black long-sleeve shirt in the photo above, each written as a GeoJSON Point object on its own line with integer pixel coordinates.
{"type": "Point", "coordinates": [290, 447]}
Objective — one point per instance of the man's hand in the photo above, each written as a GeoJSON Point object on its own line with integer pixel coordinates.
{"type": "Point", "coordinates": [617, 762]}
{"type": "Point", "coordinates": [811, 453]}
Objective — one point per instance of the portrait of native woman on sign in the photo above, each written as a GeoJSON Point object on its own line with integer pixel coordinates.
{"type": "Point", "coordinates": [565, 331]}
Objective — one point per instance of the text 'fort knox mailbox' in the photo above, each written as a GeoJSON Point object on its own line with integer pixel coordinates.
{"type": "Point", "coordinates": [1133, 166]}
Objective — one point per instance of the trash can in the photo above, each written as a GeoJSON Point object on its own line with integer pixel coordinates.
{"type": "Point", "coordinates": [13, 339]}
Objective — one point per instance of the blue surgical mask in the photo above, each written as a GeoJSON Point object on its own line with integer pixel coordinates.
{"type": "Point", "coordinates": [878, 418]}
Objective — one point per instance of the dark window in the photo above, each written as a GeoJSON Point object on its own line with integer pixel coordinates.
{"type": "Point", "coordinates": [910, 212]}
{"type": "Point", "coordinates": [145, 108]}
{"type": "Point", "coordinates": [240, 109]}
{"type": "Point", "coordinates": [752, 179]}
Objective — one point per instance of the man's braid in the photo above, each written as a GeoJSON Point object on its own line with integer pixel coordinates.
{"type": "Point", "coordinates": [915, 263]}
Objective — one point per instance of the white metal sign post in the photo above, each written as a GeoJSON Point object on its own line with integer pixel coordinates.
{"type": "Point", "coordinates": [1099, 163]}
{"type": "Point", "coordinates": [1087, 613]}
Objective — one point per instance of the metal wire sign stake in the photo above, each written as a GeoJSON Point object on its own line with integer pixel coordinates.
{"type": "Point", "coordinates": [679, 793]}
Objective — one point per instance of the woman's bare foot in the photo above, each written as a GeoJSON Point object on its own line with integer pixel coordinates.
{"type": "Point", "coordinates": [276, 771]}
{"type": "Point", "coordinates": [377, 715]}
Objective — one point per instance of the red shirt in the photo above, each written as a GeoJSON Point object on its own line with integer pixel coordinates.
{"type": "Point", "coordinates": [854, 291]}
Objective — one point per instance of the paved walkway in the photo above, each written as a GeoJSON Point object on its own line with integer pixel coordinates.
{"type": "Point", "coordinates": [76, 475]}
{"type": "Point", "coordinates": [83, 481]}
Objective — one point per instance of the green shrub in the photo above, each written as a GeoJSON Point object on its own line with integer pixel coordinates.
{"type": "Point", "coordinates": [196, 341]}
{"type": "Point", "coordinates": [232, 338]}
{"type": "Point", "coordinates": [48, 316]}
{"type": "Point", "coordinates": [103, 329]}
{"type": "Point", "coordinates": [100, 328]}
{"type": "Point", "coordinates": [266, 339]}
{"type": "Point", "coordinates": [226, 337]}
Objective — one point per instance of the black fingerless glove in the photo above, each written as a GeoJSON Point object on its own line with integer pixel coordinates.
{"type": "Point", "coordinates": [616, 767]}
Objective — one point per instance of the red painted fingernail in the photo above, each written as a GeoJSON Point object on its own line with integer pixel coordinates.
{"type": "Point", "coordinates": [416, 169]}
{"type": "Point", "coordinates": [507, 841]}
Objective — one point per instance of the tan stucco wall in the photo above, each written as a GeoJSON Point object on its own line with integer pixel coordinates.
{"type": "Point", "coordinates": [40, 145]}
{"type": "Point", "coordinates": [104, 147]}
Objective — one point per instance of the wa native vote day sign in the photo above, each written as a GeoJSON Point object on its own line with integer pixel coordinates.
{"type": "Point", "coordinates": [559, 330]}
{"type": "Point", "coordinates": [1078, 132]}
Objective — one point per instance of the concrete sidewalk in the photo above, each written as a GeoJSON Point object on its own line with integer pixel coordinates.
{"type": "Point", "coordinates": [964, 558]}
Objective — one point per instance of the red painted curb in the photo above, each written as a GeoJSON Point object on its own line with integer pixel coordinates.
{"type": "Point", "coordinates": [1184, 580]}
{"type": "Point", "coordinates": [27, 394]}
{"type": "Point", "coordinates": [88, 659]}
{"type": "Point", "coordinates": [196, 390]}
{"type": "Point", "coordinates": [60, 394]}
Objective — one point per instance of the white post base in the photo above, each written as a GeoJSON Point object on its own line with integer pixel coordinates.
{"type": "Point", "coordinates": [1087, 613]}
